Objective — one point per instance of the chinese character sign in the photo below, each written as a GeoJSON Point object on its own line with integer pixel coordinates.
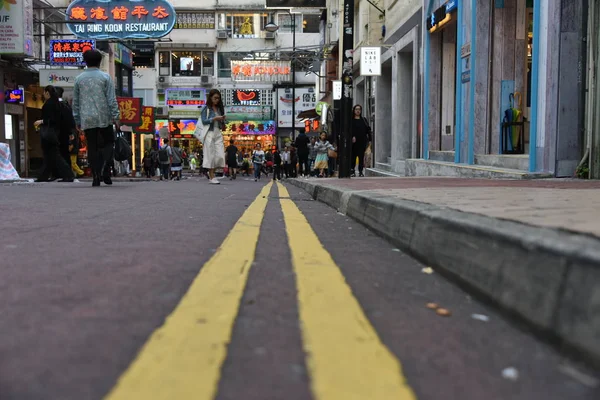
{"type": "Point", "coordinates": [306, 99]}
{"type": "Point", "coordinates": [147, 124]}
{"type": "Point", "coordinates": [195, 20]}
{"type": "Point", "coordinates": [69, 51]}
{"type": "Point", "coordinates": [266, 71]}
{"type": "Point", "coordinates": [120, 19]}
{"type": "Point", "coordinates": [131, 110]}
{"type": "Point", "coordinates": [250, 127]}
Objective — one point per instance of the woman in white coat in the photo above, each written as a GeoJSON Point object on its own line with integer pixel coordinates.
{"type": "Point", "coordinates": [213, 114]}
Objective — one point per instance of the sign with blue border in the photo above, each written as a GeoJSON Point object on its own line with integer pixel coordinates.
{"type": "Point", "coordinates": [70, 51]}
{"type": "Point", "coordinates": [120, 19]}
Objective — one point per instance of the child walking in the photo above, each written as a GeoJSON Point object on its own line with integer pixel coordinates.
{"type": "Point", "coordinates": [322, 161]}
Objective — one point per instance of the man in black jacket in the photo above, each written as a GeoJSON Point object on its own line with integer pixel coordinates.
{"type": "Point", "coordinates": [302, 142]}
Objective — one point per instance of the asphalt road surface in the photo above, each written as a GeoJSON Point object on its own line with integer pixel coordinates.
{"type": "Point", "coordinates": [242, 291]}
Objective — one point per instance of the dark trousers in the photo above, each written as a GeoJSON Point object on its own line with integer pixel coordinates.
{"type": "Point", "coordinates": [64, 148]}
{"type": "Point", "coordinates": [100, 142]}
{"type": "Point", "coordinates": [54, 163]}
{"type": "Point", "coordinates": [164, 170]}
{"type": "Point", "coordinates": [358, 150]}
{"type": "Point", "coordinates": [277, 172]}
{"type": "Point", "coordinates": [287, 170]}
{"type": "Point", "coordinates": [304, 164]}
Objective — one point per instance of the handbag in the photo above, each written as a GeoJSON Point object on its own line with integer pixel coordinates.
{"type": "Point", "coordinates": [331, 153]}
{"type": "Point", "coordinates": [122, 148]}
{"type": "Point", "coordinates": [49, 134]}
{"type": "Point", "coordinates": [201, 129]}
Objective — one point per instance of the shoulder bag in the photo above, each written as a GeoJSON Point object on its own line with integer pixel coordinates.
{"type": "Point", "coordinates": [49, 134]}
{"type": "Point", "coordinates": [201, 129]}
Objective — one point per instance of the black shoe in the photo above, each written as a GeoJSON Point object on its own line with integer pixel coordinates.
{"type": "Point", "coordinates": [361, 175]}
{"type": "Point", "coordinates": [96, 181]}
{"type": "Point", "coordinates": [107, 180]}
{"type": "Point", "coordinates": [52, 179]}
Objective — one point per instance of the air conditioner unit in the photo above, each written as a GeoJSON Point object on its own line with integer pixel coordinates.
{"type": "Point", "coordinates": [206, 79]}
{"type": "Point", "coordinates": [162, 111]}
{"type": "Point", "coordinates": [222, 35]}
{"type": "Point", "coordinates": [270, 35]}
{"type": "Point", "coordinates": [162, 79]}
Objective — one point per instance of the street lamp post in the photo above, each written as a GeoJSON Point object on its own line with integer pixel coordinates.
{"type": "Point", "coordinates": [273, 27]}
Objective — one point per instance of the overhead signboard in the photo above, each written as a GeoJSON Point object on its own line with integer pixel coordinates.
{"type": "Point", "coordinates": [441, 16]}
{"type": "Point", "coordinates": [296, 3]}
{"type": "Point", "coordinates": [250, 127]}
{"type": "Point", "coordinates": [195, 20]}
{"type": "Point", "coordinates": [245, 97]}
{"type": "Point", "coordinates": [59, 77]}
{"type": "Point", "coordinates": [120, 19]}
{"type": "Point", "coordinates": [185, 97]}
{"type": "Point", "coordinates": [306, 99]}
{"type": "Point", "coordinates": [247, 113]}
{"type": "Point", "coordinates": [370, 61]}
{"type": "Point", "coordinates": [265, 71]}
{"type": "Point", "coordinates": [70, 51]}
{"type": "Point", "coordinates": [16, 27]}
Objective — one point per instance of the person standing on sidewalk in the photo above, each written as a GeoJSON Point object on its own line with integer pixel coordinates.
{"type": "Point", "coordinates": [68, 125]}
{"type": "Point", "coordinates": [285, 159]}
{"type": "Point", "coordinates": [164, 157]}
{"type": "Point", "coordinates": [312, 155]}
{"type": "Point", "coordinates": [361, 137]}
{"type": "Point", "coordinates": [95, 110]}
{"type": "Point", "coordinates": [258, 159]}
{"type": "Point", "coordinates": [302, 143]}
{"type": "Point", "coordinates": [74, 152]}
{"type": "Point", "coordinates": [276, 164]}
{"type": "Point", "coordinates": [52, 121]}
{"type": "Point", "coordinates": [176, 162]}
{"type": "Point", "coordinates": [213, 114]}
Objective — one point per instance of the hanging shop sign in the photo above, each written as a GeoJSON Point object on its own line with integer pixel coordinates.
{"type": "Point", "coordinates": [161, 125]}
{"type": "Point", "coordinates": [306, 99]}
{"type": "Point", "coordinates": [59, 77]}
{"type": "Point", "coordinates": [246, 97]}
{"type": "Point", "coordinates": [182, 128]}
{"type": "Point", "coordinates": [247, 113]}
{"type": "Point", "coordinates": [337, 90]}
{"type": "Point", "coordinates": [14, 96]}
{"type": "Point", "coordinates": [70, 51]}
{"type": "Point", "coordinates": [250, 127]}
{"type": "Point", "coordinates": [120, 19]}
{"type": "Point", "coordinates": [267, 71]}
{"type": "Point", "coordinates": [16, 27]}
{"type": "Point", "coordinates": [147, 125]}
{"type": "Point", "coordinates": [185, 97]}
{"type": "Point", "coordinates": [131, 110]}
{"type": "Point", "coordinates": [441, 16]}
{"type": "Point", "coordinates": [370, 61]}
{"type": "Point", "coordinates": [195, 20]}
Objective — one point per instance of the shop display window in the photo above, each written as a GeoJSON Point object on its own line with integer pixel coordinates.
{"type": "Point", "coordinates": [243, 25]}
{"type": "Point", "coordinates": [192, 63]}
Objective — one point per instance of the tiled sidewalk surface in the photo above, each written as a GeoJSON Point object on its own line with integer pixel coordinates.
{"type": "Point", "coordinates": [568, 204]}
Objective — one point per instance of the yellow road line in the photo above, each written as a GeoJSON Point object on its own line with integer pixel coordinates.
{"type": "Point", "coordinates": [345, 357]}
{"type": "Point", "coordinates": [183, 358]}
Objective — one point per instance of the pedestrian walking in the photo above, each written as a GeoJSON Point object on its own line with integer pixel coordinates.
{"type": "Point", "coordinates": [164, 158]}
{"type": "Point", "coordinates": [312, 155]}
{"type": "Point", "coordinates": [193, 163]}
{"type": "Point", "coordinates": [147, 164]}
{"type": "Point", "coordinates": [176, 162]}
{"type": "Point", "coordinates": [293, 162]}
{"type": "Point", "coordinates": [322, 161]}
{"type": "Point", "coordinates": [258, 159]}
{"type": "Point", "coordinates": [285, 159]}
{"type": "Point", "coordinates": [95, 110]}
{"type": "Point", "coordinates": [155, 170]}
{"type": "Point", "coordinates": [50, 126]}
{"type": "Point", "coordinates": [68, 125]}
{"type": "Point", "coordinates": [232, 162]}
{"type": "Point", "coordinates": [213, 114]}
{"type": "Point", "coordinates": [361, 137]}
{"type": "Point", "coordinates": [302, 146]}
{"type": "Point", "coordinates": [276, 164]}
{"type": "Point", "coordinates": [73, 153]}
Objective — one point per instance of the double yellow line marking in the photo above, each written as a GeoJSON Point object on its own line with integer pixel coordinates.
{"type": "Point", "coordinates": [345, 357]}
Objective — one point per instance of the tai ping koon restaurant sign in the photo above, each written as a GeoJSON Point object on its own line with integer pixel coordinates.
{"type": "Point", "coordinates": [120, 19]}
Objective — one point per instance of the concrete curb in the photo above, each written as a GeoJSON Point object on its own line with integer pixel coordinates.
{"type": "Point", "coordinates": [549, 278]}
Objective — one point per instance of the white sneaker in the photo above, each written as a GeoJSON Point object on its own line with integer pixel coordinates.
{"type": "Point", "coordinates": [214, 181]}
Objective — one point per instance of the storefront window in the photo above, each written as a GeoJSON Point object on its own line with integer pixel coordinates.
{"type": "Point", "coordinates": [311, 23]}
{"type": "Point", "coordinates": [192, 63]}
{"type": "Point", "coordinates": [243, 25]}
{"type": "Point", "coordinates": [164, 58]}
{"type": "Point", "coordinates": [224, 60]}
{"type": "Point", "coordinates": [305, 23]}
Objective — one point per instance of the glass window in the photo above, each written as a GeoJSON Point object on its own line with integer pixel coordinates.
{"type": "Point", "coordinates": [243, 25]}
{"type": "Point", "coordinates": [311, 23]}
{"type": "Point", "coordinates": [285, 23]}
{"type": "Point", "coordinates": [224, 60]}
{"type": "Point", "coordinates": [192, 63]}
{"type": "Point", "coordinates": [164, 58]}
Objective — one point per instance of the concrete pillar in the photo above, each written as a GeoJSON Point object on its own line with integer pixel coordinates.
{"type": "Point", "coordinates": [402, 109]}
{"type": "Point", "coordinates": [383, 120]}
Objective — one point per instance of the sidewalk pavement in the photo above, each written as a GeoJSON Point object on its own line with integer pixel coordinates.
{"type": "Point", "coordinates": [532, 247]}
